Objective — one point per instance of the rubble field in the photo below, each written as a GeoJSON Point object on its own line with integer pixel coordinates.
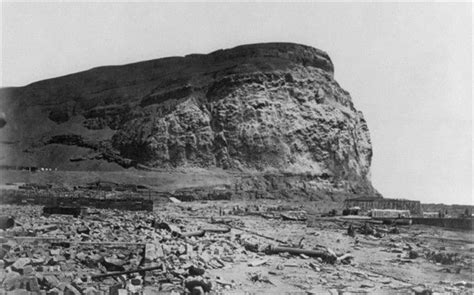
{"type": "Point", "coordinates": [227, 247]}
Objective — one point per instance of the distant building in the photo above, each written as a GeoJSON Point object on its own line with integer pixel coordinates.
{"type": "Point", "coordinates": [367, 203]}
{"type": "Point", "coordinates": [389, 213]}
{"type": "Point", "coordinates": [430, 214]}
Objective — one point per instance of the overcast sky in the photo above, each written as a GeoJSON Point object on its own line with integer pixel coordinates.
{"type": "Point", "coordinates": [407, 66]}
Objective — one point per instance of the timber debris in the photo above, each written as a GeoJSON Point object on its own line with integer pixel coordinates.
{"type": "Point", "coordinates": [182, 251]}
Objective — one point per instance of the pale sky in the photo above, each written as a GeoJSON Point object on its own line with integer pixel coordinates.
{"type": "Point", "coordinates": [407, 66]}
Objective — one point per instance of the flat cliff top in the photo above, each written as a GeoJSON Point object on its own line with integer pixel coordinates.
{"type": "Point", "coordinates": [169, 71]}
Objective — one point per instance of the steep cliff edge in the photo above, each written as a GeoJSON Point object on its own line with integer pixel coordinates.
{"type": "Point", "coordinates": [271, 108]}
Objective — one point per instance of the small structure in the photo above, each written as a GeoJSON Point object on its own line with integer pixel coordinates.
{"type": "Point", "coordinates": [369, 203]}
{"type": "Point", "coordinates": [351, 211]}
{"type": "Point", "coordinates": [391, 216]}
{"type": "Point", "coordinates": [389, 213]}
{"type": "Point", "coordinates": [430, 214]}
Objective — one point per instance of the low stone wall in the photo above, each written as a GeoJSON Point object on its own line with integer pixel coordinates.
{"type": "Point", "coordinates": [201, 194]}
{"type": "Point", "coordinates": [459, 223]}
{"type": "Point", "coordinates": [22, 198]}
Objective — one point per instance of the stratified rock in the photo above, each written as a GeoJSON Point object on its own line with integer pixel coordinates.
{"type": "Point", "coordinates": [264, 107]}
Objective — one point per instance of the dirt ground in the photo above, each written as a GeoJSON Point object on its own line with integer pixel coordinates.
{"type": "Point", "coordinates": [417, 260]}
{"type": "Point", "coordinates": [379, 264]}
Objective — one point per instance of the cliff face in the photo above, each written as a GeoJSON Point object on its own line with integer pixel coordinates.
{"type": "Point", "coordinates": [266, 107]}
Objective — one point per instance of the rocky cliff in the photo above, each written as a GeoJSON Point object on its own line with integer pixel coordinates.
{"type": "Point", "coordinates": [272, 108]}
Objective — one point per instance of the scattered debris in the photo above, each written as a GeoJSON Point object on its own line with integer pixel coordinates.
{"type": "Point", "coordinates": [174, 200]}
{"type": "Point", "coordinates": [258, 262]}
{"type": "Point", "coordinates": [294, 216]}
{"type": "Point", "coordinates": [180, 251]}
{"type": "Point", "coordinates": [118, 273]}
{"type": "Point", "coordinates": [443, 257]}
{"type": "Point", "coordinates": [258, 277]}
{"type": "Point", "coordinates": [326, 255]}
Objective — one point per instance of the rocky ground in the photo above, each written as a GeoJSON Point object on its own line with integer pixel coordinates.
{"type": "Point", "coordinates": [227, 247]}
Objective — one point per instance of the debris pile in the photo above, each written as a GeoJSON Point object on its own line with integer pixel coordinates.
{"type": "Point", "coordinates": [206, 247]}
{"type": "Point", "coordinates": [443, 257]}
{"type": "Point", "coordinates": [56, 251]}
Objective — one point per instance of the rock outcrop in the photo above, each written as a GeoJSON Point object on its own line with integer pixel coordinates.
{"type": "Point", "coordinates": [272, 108]}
